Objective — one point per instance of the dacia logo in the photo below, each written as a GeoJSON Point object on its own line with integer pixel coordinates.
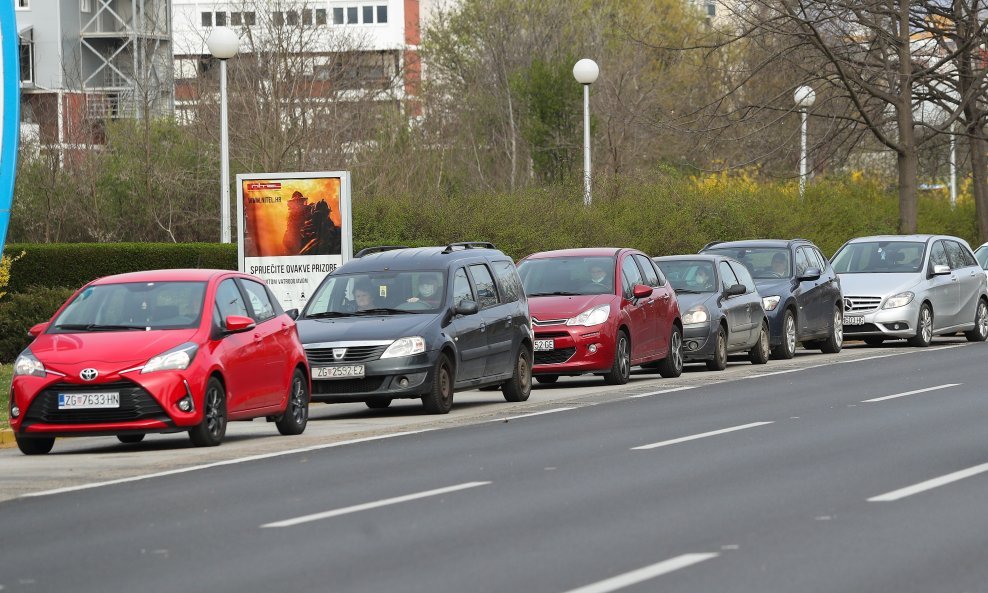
{"type": "Point", "coordinates": [88, 374]}
{"type": "Point", "coordinates": [339, 353]}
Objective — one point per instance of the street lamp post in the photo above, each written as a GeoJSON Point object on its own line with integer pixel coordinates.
{"type": "Point", "coordinates": [804, 97]}
{"type": "Point", "coordinates": [223, 44]}
{"type": "Point", "coordinates": [586, 71]}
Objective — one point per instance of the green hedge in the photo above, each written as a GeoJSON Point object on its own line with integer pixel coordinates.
{"type": "Point", "coordinates": [74, 264]}
{"type": "Point", "coordinates": [20, 310]}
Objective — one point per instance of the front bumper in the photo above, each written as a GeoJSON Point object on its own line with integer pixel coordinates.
{"type": "Point", "coordinates": [576, 350]}
{"type": "Point", "coordinates": [699, 342]}
{"type": "Point", "coordinates": [382, 380]}
{"type": "Point", "coordinates": [892, 323]}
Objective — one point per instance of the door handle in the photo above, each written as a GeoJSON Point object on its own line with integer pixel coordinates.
{"type": "Point", "coordinates": [257, 337]}
{"type": "Point", "coordinates": [665, 297]}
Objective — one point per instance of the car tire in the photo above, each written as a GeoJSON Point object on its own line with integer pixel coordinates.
{"type": "Point", "coordinates": [874, 341]}
{"type": "Point", "coordinates": [439, 400]}
{"type": "Point", "coordinates": [620, 371]}
{"type": "Point", "coordinates": [212, 429]}
{"type": "Point", "coordinates": [378, 404]}
{"type": "Point", "coordinates": [834, 341]}
{"type": "Point", "coordinates": [719, 361]}
{"type": "Point", "coordinates": [924, 328]}
{"type": "Point", "coordinates": [671, 366]}
{"type": "Point", "coordinates": [296, 415]}
{"type": "Point", "coordinates": [546, 379]}
{"type": "Point", "coordinates": [520, 386]}
{"type": "Point", "coordinates": [761, 352]}
{"type": "Point", "coordinates": [35, 445]}
{"type": "Point", "coordinates": [130, 439]}
{"type": "Point", "coordinates": [787, 349]}
{"type": "Point", "coordinates": [980, 331]}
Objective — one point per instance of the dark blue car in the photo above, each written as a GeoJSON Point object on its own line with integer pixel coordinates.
{"type": "Point", "coordinates": [800, 292]}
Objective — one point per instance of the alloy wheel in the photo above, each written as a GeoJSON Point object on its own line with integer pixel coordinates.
{"type": "Point", "coordinates": [297, 405]}
{"type": "Point", "coordinates": [926, 324]}
{"type": "Point", "coordinates": [791, 333]}
{"type": "Point", "coordinates": [676, 350]}
{"type": "Point", "coordinates": [839, 327]}
{"type": "Point", "coordinates": [214, 413]}
{"type": "Point", "coordinates": [982, 318]}
{"type": "Point", "coordinates": [624, 360]}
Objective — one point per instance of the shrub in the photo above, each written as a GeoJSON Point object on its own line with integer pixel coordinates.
{"type": "Point", "coordinates": [21, 310]}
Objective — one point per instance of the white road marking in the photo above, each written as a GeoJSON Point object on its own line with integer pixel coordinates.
{"type": "Point", "coordinates": [372, 505]}
{"type": "Point", "coordinates": [700, 436]}
{"type": "Point", "coordinates": [660, 392]}
{"type": "Point", "coordinates": [643, 574]}
{"type": "Point", "coordinates": [222, 463]}
{"type": "Point", "coordinates": [930, 484]}
{"type": "Point", "coordinates": [914, 392]}
{"type": "Point", "coordinates": [783, 372]}
{"type": "Point", "coordinates": [533, 414]}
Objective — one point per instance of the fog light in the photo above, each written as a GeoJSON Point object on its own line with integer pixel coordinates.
{"type": "Point", "coordinates": [185, 404]}
{"type": "Point", "coordinates": [592, 348]}
{"type": "Point", "coordinates": [15, 412]}
{"type": "Point", "coordinates": [403, 382]}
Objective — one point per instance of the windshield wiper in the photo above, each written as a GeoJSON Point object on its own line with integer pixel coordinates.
{"type": "Point", "coordinates": [688, 291]}
{"type": "Point", "coordinates": [379, 311]}
{"type": "Point", "coordinates": [557, 293]}
{"type": "Point", "coordinates": [96, 327]}
{"type": "Point", "coordinates": [327, 314]}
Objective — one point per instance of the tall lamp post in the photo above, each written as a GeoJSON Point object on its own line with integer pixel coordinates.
{"type": "Point", "coordinates": [585, 72]}
{"type": "Point", "coordinates": [223, 44]}
{"type": "Point", "coordinates": [804, 97]}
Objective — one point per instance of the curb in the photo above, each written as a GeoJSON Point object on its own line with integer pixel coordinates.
{"type": "Point", "coordinates": [7, 438]}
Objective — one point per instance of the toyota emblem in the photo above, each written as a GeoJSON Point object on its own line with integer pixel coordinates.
{"type": "Point", "coordinates": [89, 374]}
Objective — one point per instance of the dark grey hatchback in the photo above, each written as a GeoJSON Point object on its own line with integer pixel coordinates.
{"type": "Point", "coordinates": [406, 323]}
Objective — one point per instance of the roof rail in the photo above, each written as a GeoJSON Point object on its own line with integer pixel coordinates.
{"type": "Point", "coordinates": [710, 244]}
{"type": "Point", "coordinates": [469, 245]}
{"type": "Point", "coordinates": [378, 249]}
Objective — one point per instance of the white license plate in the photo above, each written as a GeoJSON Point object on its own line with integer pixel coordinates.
{"type": "Point", "coordinates": [542, 345]}
{"type": "Point", "coordinates": [853, 320]}
{"type": "Point", "coordinates": [350, 371]}
{"type": "Point", "coordinates": [88, 401]}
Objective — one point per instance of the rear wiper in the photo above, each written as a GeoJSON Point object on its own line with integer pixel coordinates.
{"type": "Point", "coordinates": [557, 293]}
{"type": "Point", "coordinates": [327, 314]}
{"type": "Point", "coordinates": [379, 311]}
{"type": "Point", "coordinates": [96, 327]}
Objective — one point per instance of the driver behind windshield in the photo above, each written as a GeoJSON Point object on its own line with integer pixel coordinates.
{"type": "Point", "coordinates": [779, 264]}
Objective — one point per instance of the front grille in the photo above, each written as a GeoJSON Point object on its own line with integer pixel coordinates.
{"type": "Point", "coordinates": [853, 304]}
{"type": "Point", "coordinates": [353, 354]}
{"type": "Point", "coordinates": [541, 322]}
{"type": "Point", "coordinates": [860, 329]}
{"type": "Point", "coordinates": [347, 386]}
{"type": "Point", "coordinates": [135, 404]}
{"type": "Point", "coordinates": [554, 356]}
{"type": "Point", "coordinates": [547, 335]}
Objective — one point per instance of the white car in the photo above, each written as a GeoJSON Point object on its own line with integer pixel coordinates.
{"type": "Point", "coordinates": [912, 287]}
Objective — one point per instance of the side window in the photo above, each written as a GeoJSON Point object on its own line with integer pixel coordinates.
{"type": "Point", "coordinates": [507, 276]}
{"type": "Point", "coordinates": [259, 301]}
{"type": "Point", "coordinates": [824, 262]}
{"type": "Point", "coordinates": [631, 274]}
{"type": "Point", "coordinates": [969, 257]}
{"type": "Point", "coordinates": [651, 278]}
{"type": "Point", "coordinates": [658, 272]}
{"type": "Point", "coordinates": [727, 277]}
{"type": "Point", "coordinates": [938, 256]}
{"type": "Point", "coordinates": [744, 277]}
{"type": "Point", "coordinates": [486, 290]}
{"type": "Point", "coordinates": [229, 300]}
{"type": "Point", "coordinates": [802, 261]}
{"type": "Point", "coordinates": [461, 288]}
{"type": "Point", "coordinates": [955, 255]}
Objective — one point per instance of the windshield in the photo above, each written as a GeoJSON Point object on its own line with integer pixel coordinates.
{"type": "Point", "coordinates": [133, 306]}
{"type": "Point", "coordinates": [982, 256]}
{"type": "Point", "coordinates": [763, 262]}
{"type": "Point", "coordinates": [888, 257]}
{"type": "Point", "coordinates": [689, 275]}
{"type": "Point", "coordinates": [567, 276]}
{"type": "Point", "coordinates": [378, 293]}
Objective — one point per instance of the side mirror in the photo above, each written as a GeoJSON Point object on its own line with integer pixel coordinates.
{"type": "Point", "coordinates": [941, 270]}
{"type": "Point", "coordinates": [238, 323]}
{"type": "Point", "coordinates": [466, 307]}
{"type": "Point", "coordinates": [641, 291]}
{"type": "Point", "coordinates": [38, 329]}
{"type": "Point", "coordinates": [811, 274]}
{"type": "Point", "coordinates": [293, 313]}
{"type": "Point", "coordinates": [735, 290]}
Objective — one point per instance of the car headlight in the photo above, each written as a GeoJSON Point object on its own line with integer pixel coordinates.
{"type": "Point", "coordinates": [176, 359]}
{"type": "Point", "coordinates": [900, 300]}
{"type": "Point", "coordinates": [769, 303]}
{"type": "Point", "coordinates": [405, 347]}
{"type": "Point", "coordinates": [696, 315]}
{"type": "Point", "coordinates": [28, 364]}
{"type": "Point", "coordinates": [590, 317]}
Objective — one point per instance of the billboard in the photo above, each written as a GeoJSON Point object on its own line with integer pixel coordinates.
{"type": "Point", "coordinates": [293, 229]}
{"type": "Point", "coordinates": [10, 87]}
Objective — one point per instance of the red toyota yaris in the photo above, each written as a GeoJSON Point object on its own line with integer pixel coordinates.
{"type": "Point", "coordinates": [601, 311]}
{"type": "Point", "coordinates": [160, 351]}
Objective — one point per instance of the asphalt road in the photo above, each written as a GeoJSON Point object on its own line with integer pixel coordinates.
{"type": "Point", "coordinates": [860, 472]}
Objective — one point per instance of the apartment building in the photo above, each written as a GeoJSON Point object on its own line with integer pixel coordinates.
{"type": "Point", "coordinates": [84, 61]}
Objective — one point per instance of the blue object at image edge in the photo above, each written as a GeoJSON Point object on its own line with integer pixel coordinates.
{"type": "Point", "coordinates": [9, 135]}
